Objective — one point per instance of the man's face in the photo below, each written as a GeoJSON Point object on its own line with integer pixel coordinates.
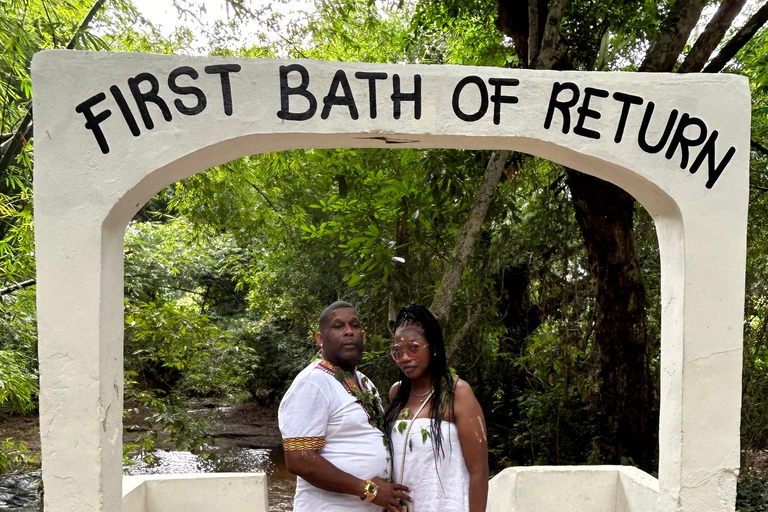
{"type": "Point", "coordinates": [342, 338]}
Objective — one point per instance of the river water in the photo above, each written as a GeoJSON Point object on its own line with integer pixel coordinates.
{"type": "Point", "coordinates": [235, 460]}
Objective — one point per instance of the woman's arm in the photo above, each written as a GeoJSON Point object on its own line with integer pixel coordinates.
{"type": "Point", "coordinates": [470, 424]}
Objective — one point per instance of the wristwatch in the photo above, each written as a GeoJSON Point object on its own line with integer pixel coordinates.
{"type": "Point", "coordinates": [369, 491]}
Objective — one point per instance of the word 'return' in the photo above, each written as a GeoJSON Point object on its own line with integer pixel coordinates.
{"type": "Point", "coordinates": [682, 132]}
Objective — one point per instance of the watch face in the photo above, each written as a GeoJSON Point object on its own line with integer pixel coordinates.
{"type": "Point", "coordinates": [370, 489]}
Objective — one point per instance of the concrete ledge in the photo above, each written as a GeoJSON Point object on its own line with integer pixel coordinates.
{"type": "Point", "coordinates": [573, 489]}
{"type": "Point", "coordinates": [199, 492]}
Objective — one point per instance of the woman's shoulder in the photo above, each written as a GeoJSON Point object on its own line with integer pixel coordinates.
{"type": "Point", "coordinates": [463, 395]}
{"type": "Point", "coordinates": [393, 390]}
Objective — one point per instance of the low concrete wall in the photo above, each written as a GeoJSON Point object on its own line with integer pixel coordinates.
{"type": "Point", "coordinates": [638, 491]}
{"type": "Point", "coordinates": [199, 492]}
{"type": "Point", "coordinates": [573, 489]}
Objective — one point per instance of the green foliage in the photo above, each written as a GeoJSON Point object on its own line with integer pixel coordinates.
{"type": "Point", "coordinates": [751, 495]}
{"type": "Point", "coordinates": [14, 456]}
{"type": "Point", "coordinates": [18, 384]}
{"type": "Point", "coordinates": [557, 424]}
{"type": "Point", "coordinates": [168, 414]}
{"type": "Point", "coordinates": [282, 348]}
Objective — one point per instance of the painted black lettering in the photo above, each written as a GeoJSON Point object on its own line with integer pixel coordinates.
{"type": "Point", "coordinates": [371, 77]}
{"type": "Point", "coordinates": [224, 70]}
{"type": "Point", "coordinates": [628, 100]}
{"type": "Point", "coordinates": [679, 138]}
{"type": "Point", "coordinates": [586, 112]}
{"type": "Point", "coordinates": [151, 96]}
{"type": "Point", "coordinates": [643, 134]}
{"type": "Point", "coordinates": [125, 110]}
{"type": "Point", "coordinates": [708, 151]}
{"type": "Point", "coordinates": [483, 98]}
{"type": "Point", "coordinates": [302, 90]}
{"type": "Point", "coordinates": [563, 106]}
{"type": "Point", "coordinates": [497, 98]}
{"type": "Point", "coordinates": [92, 121]}
{"type": "Point", "coordinates": [339, 79]}
{"type": "Point", "coordinates": [178, 89]}
{"type": "Point", "coordinates": [398, 96]}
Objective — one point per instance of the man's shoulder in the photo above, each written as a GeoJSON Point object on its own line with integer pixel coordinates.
{"type": "Point", "coordinates": [315, 373]}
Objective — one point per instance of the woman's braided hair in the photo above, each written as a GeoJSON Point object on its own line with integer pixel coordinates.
{"type": "Point", "coordinates": [442, 399]}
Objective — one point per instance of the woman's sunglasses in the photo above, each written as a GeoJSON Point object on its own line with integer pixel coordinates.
{"type": "Point", "coordinates": [412, 349]}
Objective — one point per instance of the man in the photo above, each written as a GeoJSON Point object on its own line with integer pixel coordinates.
{"type": "Point", "coordinates": [331, 421]}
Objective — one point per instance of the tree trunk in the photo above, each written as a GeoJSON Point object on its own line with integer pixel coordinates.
{"type": "Point", "coordinates": [604, 213]}
{"type": "Point", "coordinates": [713, 34]}
{"type": "Point", "coordinates": [441, 304]}
{"type": "Point", "coordinates": [519, 315]}
{"type": "Point", "coordinates": [675, 30]}
{"type": "Point", "coordinates": [738, 41]}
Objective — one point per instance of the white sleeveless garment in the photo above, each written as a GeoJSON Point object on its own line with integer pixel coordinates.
{"type": "Point", "coordinates": [436, 486]}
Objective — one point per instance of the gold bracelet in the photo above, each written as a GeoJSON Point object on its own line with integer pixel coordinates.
{"type": "Point", "coordinates": [369, 491]}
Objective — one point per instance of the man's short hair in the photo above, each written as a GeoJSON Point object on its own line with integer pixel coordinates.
{"type": "Point", "coordinates": [339, 304]}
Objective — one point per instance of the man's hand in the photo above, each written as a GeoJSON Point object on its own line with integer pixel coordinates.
{"type": "Point", "coordinates": [390, 495]}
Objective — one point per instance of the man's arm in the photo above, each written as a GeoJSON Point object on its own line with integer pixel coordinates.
{"type": "Point", "coordinates": [315, 469]}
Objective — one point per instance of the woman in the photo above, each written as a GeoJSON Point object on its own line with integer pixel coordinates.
{"type": "Point", "coordinates": [435, 424]}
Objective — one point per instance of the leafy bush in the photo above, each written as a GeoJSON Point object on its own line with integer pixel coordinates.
{"type": "Point", "coordinates": [751, 495]}
{"type": "Point", "coordinates": [13, 456]}
{"type": "Point", "coordinates": [18, 384]}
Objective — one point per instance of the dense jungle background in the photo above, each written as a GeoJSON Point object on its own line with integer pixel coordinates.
{"type": "Point", "coordinates": [547, 279]}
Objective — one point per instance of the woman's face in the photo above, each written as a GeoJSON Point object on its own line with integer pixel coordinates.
{"type": "Point", "coordinates": [411, 351]}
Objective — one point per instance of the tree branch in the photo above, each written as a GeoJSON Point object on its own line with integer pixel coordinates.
{"type": "Point", "coordinates": [738, 41]}
{"type": "Point", "coordinates": [274, 208]}
{"type": "Point", "coordinates": [11, 148]}
{"type": "Point", "coordinates": [675, 31]}
{"type": "Point", "coordinates": [533, 30]}
{"type": "Point", "coordinates": [456, 339]}
{"type": "Point", "coordinates": [17, 286]}
{"type": "Point", "coordinates": [712, 35]}
{"type": "Point", "coordinates": [441, 304]}
{"type": "Point", "coordinates": [84, 24]}
{"type": "Point", "coordinates": [552, 50]}
{"type": "Point", "coordinates": [756, 145]}
{"type": "Point", "coordinates": [508, 21]}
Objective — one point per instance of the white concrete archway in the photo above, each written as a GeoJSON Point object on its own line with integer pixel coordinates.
{"type": "Point", "coordinates": [112, 129]}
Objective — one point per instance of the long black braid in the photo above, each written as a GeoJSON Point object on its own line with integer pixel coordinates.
{"type": "Point", "coordinates": [442, 399]}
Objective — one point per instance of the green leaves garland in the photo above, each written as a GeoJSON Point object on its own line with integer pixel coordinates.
{"type": "Point", "coordinates": [366, 397]}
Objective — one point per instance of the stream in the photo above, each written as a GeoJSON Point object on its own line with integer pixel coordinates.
{"type": "Point", "coordinates": [20, 492]}
{"type": "Point", "coordinates": [271, 461]}
{"type": "Point", "coordinates": [247, 440]}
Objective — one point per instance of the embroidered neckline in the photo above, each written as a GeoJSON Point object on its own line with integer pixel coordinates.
{"type": "Point", "coordinates": [366, 397]}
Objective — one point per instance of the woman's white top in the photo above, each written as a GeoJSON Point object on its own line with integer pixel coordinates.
{"type": "Point", "coordinates": [440, 485]}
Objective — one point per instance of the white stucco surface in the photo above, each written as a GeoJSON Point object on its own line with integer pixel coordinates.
{"type": "Point", "coordinates": [227, 492]}
{"type": "Point", "coordinates": [112, 129]}
{"type": "Point", "coordinates": [573, 489]}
